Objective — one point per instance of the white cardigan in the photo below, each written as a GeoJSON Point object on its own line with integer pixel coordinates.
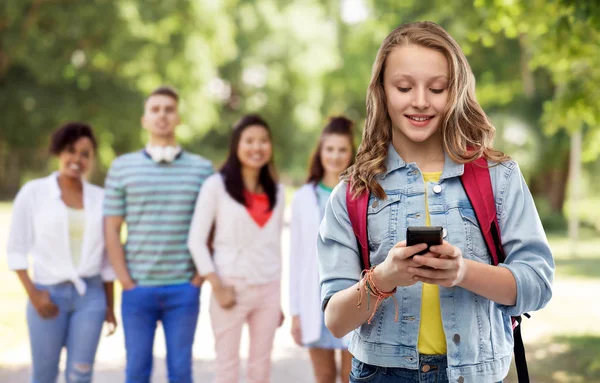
{"type": "Point", "coordinates": [242, 249]}
{"type": "Point", "coordinates": [305, 288]}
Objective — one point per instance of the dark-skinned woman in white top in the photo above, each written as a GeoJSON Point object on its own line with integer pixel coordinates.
{"type": "Point", "coordinates": [57, 222]}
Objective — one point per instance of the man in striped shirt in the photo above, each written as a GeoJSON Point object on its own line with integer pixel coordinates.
{"type": "Point", "coordinates": [154, 192]}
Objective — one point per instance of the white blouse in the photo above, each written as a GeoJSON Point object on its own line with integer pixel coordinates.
{"type": "Point", "coordinates": [40, 229]}
{"type": "Point", "coordinates": [242, 249]}
{"type": "Point", "coordinates": [305, 288]}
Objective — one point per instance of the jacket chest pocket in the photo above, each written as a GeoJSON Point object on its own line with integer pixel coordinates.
{"type": "Point", "coordinates": [473, 235]}
{"type": "Point", "coordinates": [383, 220]}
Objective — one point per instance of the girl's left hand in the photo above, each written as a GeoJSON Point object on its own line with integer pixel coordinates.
{"type": "Point", "coordinates": [444, 266]}
{"type": "Point", "coordinates": [111, 320]}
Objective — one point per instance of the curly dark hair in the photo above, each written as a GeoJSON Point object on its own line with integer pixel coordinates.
{"type": "Point", "coordinates": [68, 134]}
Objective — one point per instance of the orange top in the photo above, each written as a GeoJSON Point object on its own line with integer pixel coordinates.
{"type": "Point", "coordinates": [258, 207]}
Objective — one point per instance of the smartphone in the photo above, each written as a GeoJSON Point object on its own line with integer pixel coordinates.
{"type": "Point", "coordinates": [431, 235]}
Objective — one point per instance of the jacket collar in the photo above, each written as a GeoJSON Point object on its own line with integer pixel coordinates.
{"type": "Point", "coordinates": [394, 162]}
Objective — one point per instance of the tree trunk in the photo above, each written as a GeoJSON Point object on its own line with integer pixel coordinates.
{"type": "Point", "coordinates": [552, 185]}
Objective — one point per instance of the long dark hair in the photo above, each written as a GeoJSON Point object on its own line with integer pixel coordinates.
{"type": "Point", "coordinates": [337, 125]}
{"type": "Point", "coordinates": [232, 168]}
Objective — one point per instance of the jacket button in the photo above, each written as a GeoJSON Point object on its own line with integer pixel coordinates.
{"type": "Point", "coordinates": [461, 379]}
{"type": "Point", "coordinates": [426, 368]}
{"type": "Point", "coordinates": [437, 189]}
{"type": "Point", "coordinates": [375, 204]}
{"type": "Point", "coordinates": [456, 338]}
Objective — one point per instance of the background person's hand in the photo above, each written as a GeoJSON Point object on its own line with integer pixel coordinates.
{"type": "Point", "coordinates": [128, 285]}
{"type": "Point", "coordinates": [296, 330]}
{"type": "Point", "coordinates": [42, 303]}
{"type": "Point", "coordinates": [197, 281]}
{"type": "Point", "coordinates": [225, 295]}
{"type": "Point", "coordinates": [111, 321]}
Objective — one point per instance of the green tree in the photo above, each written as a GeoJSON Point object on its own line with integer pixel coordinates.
{"type": "Point", "coordinates": [559, 43]}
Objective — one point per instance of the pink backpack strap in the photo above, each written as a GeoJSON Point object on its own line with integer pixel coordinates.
{"type": "Point", "coordinates": [478, 186]}
{"type": "Point", "coordinates": [357, 212]}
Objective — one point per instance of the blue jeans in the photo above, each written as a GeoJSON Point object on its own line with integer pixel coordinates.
{"type": "Point", "coordinates": [432, 369]}
{"type": "Point", "coordinates": [78, 326]}
{"type": "Point", "coordinates": [177, 308]}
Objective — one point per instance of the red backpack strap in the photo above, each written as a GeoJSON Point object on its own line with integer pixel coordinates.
{"type": "Point", "coordinates": [478, 186]}
{"type": "Point", "coordinates": [357, 212]}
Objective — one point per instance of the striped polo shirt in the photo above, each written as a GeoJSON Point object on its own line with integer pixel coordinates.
{"type": "Point", "coordinates": [157, 202]}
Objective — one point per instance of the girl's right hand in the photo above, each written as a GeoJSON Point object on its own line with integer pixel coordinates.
{"type": "Point", "coordinates": [225, 295]}
{"type": "Point", "coordinates": [393, 271]}
{"type": "Point", "coordinates": [40, 299]}
{"type": "Point", "coordinates": [297, 330]}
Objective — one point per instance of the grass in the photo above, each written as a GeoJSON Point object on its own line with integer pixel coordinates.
{"type": "Point", "coordinates": [584, 263]}
{"type": "Point", "coordinates": [564, 359]}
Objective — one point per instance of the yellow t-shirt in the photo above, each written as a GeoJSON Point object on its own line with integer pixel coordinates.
{"type": "Point", "coordinates": [432, 339]}
{"type": "Point", "coordinates": [76, 228]}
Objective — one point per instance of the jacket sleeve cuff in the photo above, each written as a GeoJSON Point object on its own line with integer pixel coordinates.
{"type": "Point", "coordinates": [330, 287]}
{"type": "Point", "coordinates": [527, 281]}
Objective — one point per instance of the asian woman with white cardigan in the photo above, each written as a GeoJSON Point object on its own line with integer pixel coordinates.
{"type": "Point", "coordinates": [245, 205]}
{"type": "Point", "coordinates": [333, 155]}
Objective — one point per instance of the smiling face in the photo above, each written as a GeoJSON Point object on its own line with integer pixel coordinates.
{"type": "Point", "coordinates": [254, 149]}
{"type": "Point", "coordinates": [416, 90]}
{"type": "Point", "coordinates": [75, 160]}
{"type": "Point", "coordinates": [336, 153]}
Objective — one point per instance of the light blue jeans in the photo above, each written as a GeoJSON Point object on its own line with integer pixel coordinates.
{"type": "Point", "coordinates": [77, 327]}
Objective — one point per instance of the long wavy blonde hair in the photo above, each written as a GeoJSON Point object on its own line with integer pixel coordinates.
{"type": "Point", "coordinates": [464, 124]}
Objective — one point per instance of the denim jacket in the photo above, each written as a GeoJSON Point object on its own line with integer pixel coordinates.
{"type": "Point", "coordinates": [478, 331]}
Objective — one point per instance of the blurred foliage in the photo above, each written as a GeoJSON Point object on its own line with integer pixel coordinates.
{"type": "Point", "coordinates": [295, 62]}
{"type": "Point", "coordinates": [563, 359]}
{"type": "Point", "coordinates": [561, 38]}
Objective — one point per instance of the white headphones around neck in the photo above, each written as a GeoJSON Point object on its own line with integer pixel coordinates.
{"type": "Point", "coordinates": [163, 153]}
